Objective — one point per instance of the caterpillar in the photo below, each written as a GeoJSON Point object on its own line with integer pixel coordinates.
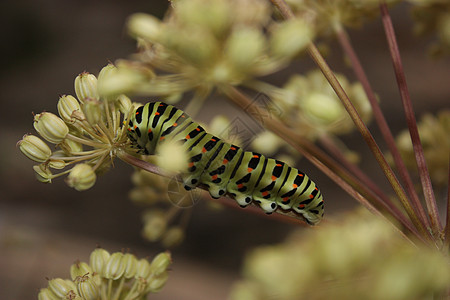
{"type": "Point", "coordinates": [225, 168]}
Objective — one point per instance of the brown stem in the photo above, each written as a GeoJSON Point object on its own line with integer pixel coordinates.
{"type": "Point", "coordinates": [321, 160]}
{"type": "Point", "coordinates": [381, 122]}
{"type": "Point", "coordinates": [447, 224]}
{"type": "Point", "coordinates": [411, 120]}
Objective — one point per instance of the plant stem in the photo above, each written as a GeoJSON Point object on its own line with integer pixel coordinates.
{"type": "Point", "coordinates": [367, 136]}
{"type": "Point", "coordinates": [447, 225]}
{"type": "Point", "coordinates": [381, 121]}
{"type": "Point", "coordinates": [411, 120]}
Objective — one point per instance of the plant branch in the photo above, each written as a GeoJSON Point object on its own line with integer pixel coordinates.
{"type": "Point", "coordinates": [381, 122]}
{"type": "Point", "coordinates": [411, 120]}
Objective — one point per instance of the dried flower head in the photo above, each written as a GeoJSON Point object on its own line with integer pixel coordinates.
{"type": "Point", "coordinates": [111, 276]}
{"type": "Point", "coordinates": [90, 130]}
{"type": "Point", "coordinates": [344, 261]}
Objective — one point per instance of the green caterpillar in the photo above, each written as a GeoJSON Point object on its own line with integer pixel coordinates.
{"type": "Point", "coordinates": [226, 168]}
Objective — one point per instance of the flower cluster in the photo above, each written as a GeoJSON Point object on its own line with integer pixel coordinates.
{"type": "Point", "coordinates": [433, 16]}
{"type": "Point", "coordinates": [110, 276]}
{"type": "Point", "coordinates": [202, 44]}
{"type": "Point", "coordinates": [361, 258]}
{"type": "Point", "coordinates": [88, 133]}
{"type": "Point", "coordinates": [435, 138]}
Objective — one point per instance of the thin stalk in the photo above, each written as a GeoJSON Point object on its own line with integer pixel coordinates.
{"type": "Point", "coordinates": [346, 45]}
{"type": "Point", "coordinates": [85, 141]}
{"type": "Point", "coordinates": [367, 136]}
{"type": "Point", "coordinates": [411, 120]}
{"type": "Point", "coordinates": [316, 156]}
{"type": "Point", "coordinates": [447, 225]}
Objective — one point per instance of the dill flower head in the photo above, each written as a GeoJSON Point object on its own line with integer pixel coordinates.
{"type": "Point", "coordinates": [110, 276]}
{"type": "Point", "coordinates": [202, 44]}
{"type": "Point", "coordinates": [88, 133]}
{"type": "Point", "coordinates": [362, 257]}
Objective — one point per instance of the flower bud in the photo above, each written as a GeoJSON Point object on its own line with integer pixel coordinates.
{"type": "Point", "coordinates": [123, 104]}
{"type": "Point", "coordinates": [172, 157]}
{"type": "Point", "coordinates": [80, 269]}
{"type": "Point", "coordinates": [323, 108]}
{"type": "Point", "coordinates": [143, 269]}
{"type": "Point", "coordinates": [69, 147]}
{"type": "Point", "coordinates": [244, 47]}
{"type": "Point", "coordinates": [144, 26]}
{"type": "Point", "coordinates": [157, 283]}
{"type": "Point", "coordinates": [57, 164]}
{"type": "Point", "coordinates": [290, 37]}
{"type": "Point", "coordinates": [34, 148]}
{"type": "Point", "coordinates": [87, 288]}
{"type": "Point", "coordinates": [173, 237]}
{"type": "Point", "coordinates": [50, 127]}
{"type": "Point", "coordinates": [61, 287]}
{"type": "Point", "coordinates": [92, 110]}
{"type": "Point", "coordinates": [131, 264]}
{"type": "Point", "coordinates": [115, 267]}
{"type": "Point", "coordinates": [267, 143]}
{"type": "Point", "coordinates": [46, 294]}
{"type": "Point", "coordinates": [86, 87]}
{"type": "Point", "coordinates": [81, 177]}
{"type": "Point", "coordinates": [160, 263]}
{"type": "Point", "coordinates": [43, 174]}
{"type": "Point", "coordinates": [155, 226]}
{"type": "Point", "coordinates": [67, 104]}
{"type": "Point", "coordinates": [98, 260]}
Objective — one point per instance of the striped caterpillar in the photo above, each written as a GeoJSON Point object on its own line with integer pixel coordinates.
{"type": "Point", "coordinates": [225, 168]}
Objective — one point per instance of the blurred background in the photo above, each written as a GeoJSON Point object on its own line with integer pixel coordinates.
{"type": "Point", "coordinates": [45, 228]}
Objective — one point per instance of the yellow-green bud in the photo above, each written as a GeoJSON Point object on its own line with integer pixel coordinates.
{"type": "Point", "coordinates": [69, 147]}
{"type": "Point", "coordinates": [87, 288]}
{"type": "Point", "coordinates": [172, 157]}
{"type": "Point", "coordinates": [86, 87]}
{"type": "Point", "coordinates": [92, 110]}
{"type": "Point", "coordinates": [51, 127]}
{"type": "Point", "coordinates": [67, 104]}
{"type": "Point", "coordinates": [34, 148]}
{"type": "Point", "coordinates": [290, 37]}
{"type": "Point", "coordinates": [123, 104]}
{"type": "Point", "coordinates": [143, 269]}
{"type": "Point", "coordinates": [173, 237]}
{"type": "Point", "coordinates": [244, 47]}
{"type": "Point", "coordinates": [160, 263]}
{"type": "Point", "coordinates": [57, 164]}
{"type": "Point", "coordinates": [115, 267]}
{"type": "Point", "coordinates": [144, 26]}
{"type": "Point", "coordinates": [131, 264]}
{"type": "Point", "coordinates": [98, 259]}
{"type": "Point", "coordinates": [61, 287]}
{"type": "Point", "coordinates": [47, 294]}
{"type": "Point", "coordinates": [323, 108]}
{"type": "Point", "coordinates": [80, 269]}
{"type": "Point", "coordinates": [43, 173]}
{"type": "Point", "coordinates": [155, 284]}
{"type": "Point", "coordinates": [81, 177]}
{"type": "Point", "coordinates": [155, 226]}
{"type": "Point", "coordinates": [267, 143]}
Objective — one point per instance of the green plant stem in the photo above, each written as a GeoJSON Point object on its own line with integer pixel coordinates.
{"type": "Point", "coordinates": [411, 120]}
{"type": "Point", "coordinates": [317, 157]}
{"type": "Point", "coordinates": [364, 131]}
{"type": "Point", "coordinates": [346, 45]}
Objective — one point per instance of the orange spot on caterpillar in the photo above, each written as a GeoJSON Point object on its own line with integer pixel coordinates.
{"type": "Point", "coordinates": [316, 188]}
{"type": "Point", "coordinates": [233, 148]}
{"type": "Point", "coordinates": [240, 185]}
{"type": "Point", "coordinates": [214, 177]}
{"type": "Point", "coordinates": [135, 126]}
{"type": "Point", "coordinates": [191, 164]}
{"type": "Point", "coordinates": [157, 113]}
{"type": "Point", "coordinates": [294, 186]}
{"type": "Point", "coordinates": [301, 206]}
{"type": "Point", "coordinates": [278, 165]}
{"type": "Point", "coordinates": [285, 199]}
{"type": "Point", "coordinates": [204, 150]}
{"type": "Point", "coordinates": [161, 138]}
{"type": "Point", "coordinates": [198, 128]}
{"type": "Point", "coordinates": [225, 161]}
{"type": "Point", "coordinates": [188, 137]}
{"type": "Point", "coordinates": [301, 175]}
{"type": "Point", "coordinates": [311, 196]}
{"type": "Point", "coordinates": [137, 113]}
{"type": "Point", "coordinates": [265, 193]}
{"type": "Point", "coordinates": [213, 140]}
{"type": "Point", "coordinates": [174, 124]}
{"type": "Point", "coordinates": [149, 130]}
{"type": "Point", "coordinates": [249, 170]}
{"type": "Point", "coordinates": [256, 156]}
{"type": "Point", "coordinates": [274, 177]}
{"type": "Point", "coordinates": [129, 129]}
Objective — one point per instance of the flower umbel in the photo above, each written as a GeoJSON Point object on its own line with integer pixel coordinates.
{"type": "Point", "coordinates": [111, 276]}
{"type": "Point", "coordinates": [90, 130]}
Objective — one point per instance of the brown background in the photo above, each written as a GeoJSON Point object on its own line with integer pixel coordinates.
{"type": "Point", "coordinates": [45, 228]}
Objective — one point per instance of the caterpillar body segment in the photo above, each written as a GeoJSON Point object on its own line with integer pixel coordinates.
{"type": "Point", "coordinates": [225, 168]}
